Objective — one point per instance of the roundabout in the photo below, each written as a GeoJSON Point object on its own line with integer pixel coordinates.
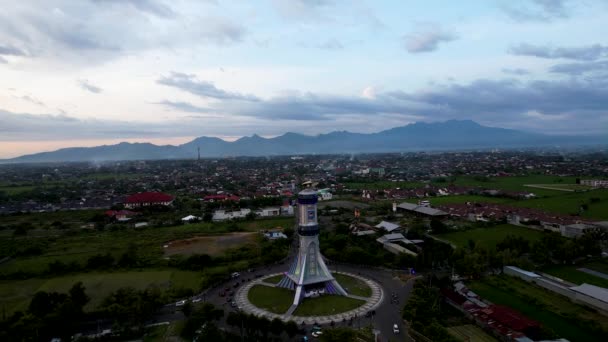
{"type": "Point", "coordinates": [323, 309]}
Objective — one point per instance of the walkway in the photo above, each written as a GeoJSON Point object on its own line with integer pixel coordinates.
{"type": "Point", "coordinates": [371, 303]}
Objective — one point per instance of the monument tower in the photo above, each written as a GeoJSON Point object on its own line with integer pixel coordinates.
{"type": "Point", "coordinates": [308, 275]}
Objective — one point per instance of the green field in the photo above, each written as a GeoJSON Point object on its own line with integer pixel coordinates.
{"type": "Point", "coordinates": [15, 295]}
{"type": "Point", "coordinates": [552, 310]}
{"type": "Point", "coordinates": [469, 333]}
{"type": "Point", "coordinates": [83, 244]}
{"type": "Point", "coordinates": [571, 274]}
{"type": "Point", "coordinates": [273, 299]}
{"type": "Point", "coordinates": [352, 285]}
{"type": "Point", "coordinates": [517, 183]}
{"type": "Point", "coordinates": [326, 305]}
{"type": "Point", "coordinates": [569, 203]}
{"type": "Point", "coordinates": [489, 237]}
{"type": "Point", "coordinates": [381, 185]}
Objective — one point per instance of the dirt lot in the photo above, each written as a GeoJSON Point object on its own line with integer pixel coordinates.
{"type": "Point", "coordinates": [212, 245]}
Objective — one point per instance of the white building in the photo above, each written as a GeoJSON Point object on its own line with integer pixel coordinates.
{"type": "Point", "coordinates": [324, 194]}
{"type": "Point", "coordinates": [269, 212]}
{"type": "Point", "coordinates": [223, 215]}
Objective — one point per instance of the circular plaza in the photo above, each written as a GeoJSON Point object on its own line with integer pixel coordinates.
{"type": "Point", "coordinates": [264, 298]}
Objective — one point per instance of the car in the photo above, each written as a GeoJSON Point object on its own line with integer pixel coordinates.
{"type": "Point", "coordinates": [180, 303]}
{"type": "Point", "coordinates": [196, 300]}
{"type": "Point", "coordinates": [317, 333]}
{"type": "Point", "coordinates": [233, 304]}
{"type": "Point", "coordinates": [395, 328]}
{"type": "Point", "coordinates": [235, 275]}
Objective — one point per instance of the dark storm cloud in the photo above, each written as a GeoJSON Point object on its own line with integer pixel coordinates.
{"type": "Point", "coordinates": [580, 68]}
{"type": "Point", "coordinates": [582, 53]}
{"type": "Point", "coordinates": [427, 39]}
{"type": "Point", "coordinates": [191, 84]}
{"type": "Point", "coordinates": [86, 85]}
{"type": "Point", "coordinates": [184, 106]}
{"type": "Point", "coordinates": [536, 10]}
{"type": "Point", "coordinates": [10, 51]}
{"type": "Point", "coordinates": [497, 100]}
{"type": "Point", "coordinates": [153, 7]}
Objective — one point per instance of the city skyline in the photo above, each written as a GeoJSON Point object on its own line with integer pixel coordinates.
{"type": "Point", "coordinates": [103, 71]}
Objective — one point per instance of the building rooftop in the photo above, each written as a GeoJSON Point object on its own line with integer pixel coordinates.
{"type": "Point", "coordinates": [388, 226]}
{"type": "Point", "coordinates": [596, 292]}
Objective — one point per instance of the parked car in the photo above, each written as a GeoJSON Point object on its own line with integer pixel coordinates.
{"type": "Point", "coordinates": [235, 275]}
{"type": "Point", "coordinates": [395, 328]}
{"type": "Point", "coordinates": [180, 303]}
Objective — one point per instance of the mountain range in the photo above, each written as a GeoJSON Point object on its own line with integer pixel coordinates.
{"type": "Point", "coordinates": [448, 135]}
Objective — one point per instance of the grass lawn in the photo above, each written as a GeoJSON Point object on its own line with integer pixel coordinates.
{"type": "Point", "coordinates": [569, 203]}
{"type": "Point", "coordinates": [571, 274]}
{"type": "Point", "coordinates": [489, 237]}
{"type": "Point", "coordinates": [326, 305]}
{"type": "Point", "coordinates": [517, 183]}
{"type": "Point", "coordinates": [551, 310]}
{"type": "Point", "coordinates": [273, 299]}
{"type": "Point", "coordinates": [15, 295]}
{"type": "Point", "coordinates": [352, 285]}
{"type": "Point", "coordinates": [600, 266]}
{"type": "Point", "coordinates": [469, 332]}
{"type": "Point", "coordinates": [274, 279]}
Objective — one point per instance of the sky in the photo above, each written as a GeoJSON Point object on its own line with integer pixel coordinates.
{"type": "Point", "coordinates": [93, 72]}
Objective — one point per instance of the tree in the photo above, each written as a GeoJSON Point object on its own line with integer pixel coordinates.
{"type": "Point", "coordinates": [276, 326]}
{"type": "Point", "coordinates": [291, 328]}
{"type": "Point", "coordinates": [78, 295]}
{"type": "Point", "coordinates": [438, 227]}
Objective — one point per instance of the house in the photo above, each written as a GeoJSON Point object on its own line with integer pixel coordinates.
{"type": "Point", "coordinates": [223, 215]}
{"type": "Point", "coordinates": [269, 212]}
{"type": "Point", "coordinates": [221, 198]}
{"type": "Point", "coordinates": [575, 230]}
{"type": "Point", "coordinates": [324, 194]}
{"type": "Point", "coordinates": [120, 215]}
{"type": "Point", "coordinates": [388, 226]}
{"type": "Point", "coordinates": [146, 199]}
{"type": "Point", "coordinates": [287, 209]}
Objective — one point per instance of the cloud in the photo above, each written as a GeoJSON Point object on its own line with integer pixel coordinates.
{"type": "Point", "coordinates": [3, 61]}
{"type": "Point", "coordinates": [536, 10]}
{"type": "Point", "coordinates": [515, 71]}
{"type": "Point", "coordinates": [582, 53]}
{"type": "Point", "coordinates": [148, 6]}
{"type": "Point", "coordinates": [184, 106]}
{"type": "Point", "coordinates": [331, 44]}
{"type": "Point", "coordinates": [427, 39]}
{"type": "Point", "coordinates": [86, 85]}
{"type": "Point", "coordinates": [575, 69]}
{"type": "Point", "coordinates": [10, 51]}
{"type": "Point", "coordinates": [191, 84]}
{"type": "Point", "coordinates": [504, 102]}
{"type": "Point", "coordinates": [32, 100]}
{"type": "Point", "coordinates": [78, 33]}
